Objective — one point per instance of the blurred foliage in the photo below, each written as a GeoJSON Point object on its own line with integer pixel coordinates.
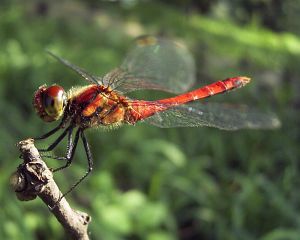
{"type": "Point", "coordinates": [150, 183]}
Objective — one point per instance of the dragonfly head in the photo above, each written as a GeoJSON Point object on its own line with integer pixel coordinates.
{"type": "Point", "coordinates": [50, 102]}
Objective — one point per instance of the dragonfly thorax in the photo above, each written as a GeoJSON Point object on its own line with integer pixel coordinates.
{"type": "Point", "coordinates": [95, 105]}
{"type": "Point", "coordinates": [50, 102]}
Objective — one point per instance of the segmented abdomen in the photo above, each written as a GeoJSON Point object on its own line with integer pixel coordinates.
{"type": "Point", "coordinates": [143, 109]}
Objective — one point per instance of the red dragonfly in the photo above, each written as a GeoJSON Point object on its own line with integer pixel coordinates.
{"type": "Point", "coordinates": [153, 63]}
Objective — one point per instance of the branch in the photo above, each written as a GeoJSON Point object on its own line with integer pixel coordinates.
{"type": "Point", "coordinates": [33, 178]}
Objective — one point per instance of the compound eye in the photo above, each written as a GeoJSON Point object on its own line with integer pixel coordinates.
{"type": "Point", "coordinates": [54, 101]}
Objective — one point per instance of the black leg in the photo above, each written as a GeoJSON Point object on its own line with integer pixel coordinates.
{"type": "Point", "coordinates": [90, 164]}
{"type": "Point", "coordinates": [70, 144]}
{"type": "Point", "coordinates": [88, 154]}
{"type": "Point", "coordinates": [68, 130]}
{"type": "Point", "coordinates": [70, 151]}
{"type": "Point", "coordinates": [48, 134]}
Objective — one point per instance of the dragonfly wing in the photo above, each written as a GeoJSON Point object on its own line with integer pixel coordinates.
{"type": "Point", "coordinates": [222, 116]}
{"type": "Point", "coordinates": [156, 63]}
{"type": "Point", "coordinates": [90, 78]}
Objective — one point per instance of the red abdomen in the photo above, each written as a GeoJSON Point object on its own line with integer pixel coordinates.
{"type": "Point", "coordinates": [144, 109]}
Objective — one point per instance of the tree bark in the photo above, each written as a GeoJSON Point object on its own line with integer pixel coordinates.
{"type": "Point", "coordinates": [33, 178]}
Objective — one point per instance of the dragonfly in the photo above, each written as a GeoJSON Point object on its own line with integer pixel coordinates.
{"type": "Point", "coordinates": [155, 64]}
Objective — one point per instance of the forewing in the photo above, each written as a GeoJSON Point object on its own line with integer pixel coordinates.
{"type": "Point", "coordinates": [154, 63]}
{"type": "Point", "coordinates": [222, 116]}
{"type": "Point", "coordinates": [87, 76]}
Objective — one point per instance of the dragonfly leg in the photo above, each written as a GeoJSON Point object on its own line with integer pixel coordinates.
{"type": "Point", "coordinates": [88, 154]}
{"type": "Point", "coordinates": [68, 130]}
{"type": "Point", "coordinates": [71, 147]}
{"type": "Point", "coordinates": [48, 134]}
{"type": "Point", "coordinates": [90, 163]}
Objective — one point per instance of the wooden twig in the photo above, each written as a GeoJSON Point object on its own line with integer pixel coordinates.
{"type": "Point", "coordinates": [33, 178]}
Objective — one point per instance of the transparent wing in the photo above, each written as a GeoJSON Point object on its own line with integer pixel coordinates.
{"type": "Point", "coordinates": [223, 116]}
{"type": "Point", "coordinates": [87, 76]}
{"type": "Point", "coordinates": [154, 63]}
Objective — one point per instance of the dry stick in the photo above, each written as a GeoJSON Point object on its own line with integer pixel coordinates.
{"type": "Point", "coordinates": [33, 178]}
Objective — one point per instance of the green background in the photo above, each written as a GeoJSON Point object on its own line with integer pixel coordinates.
{"type": "Point", "coordinates": [150, 183]}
